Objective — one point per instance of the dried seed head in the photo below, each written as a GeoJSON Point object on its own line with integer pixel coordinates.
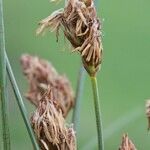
{"type": "Point", "coordinates": [126, 143]}
{"type": "Point", "coordinates": [82, 28]}
{"type": "Point", "coordinates": [49, 126]}
{"type": "Point", "coordinates": [41, 74]}
{"type": "Point", "coordinates": [148, 112]}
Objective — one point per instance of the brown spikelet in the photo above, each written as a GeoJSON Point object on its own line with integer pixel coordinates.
{"type": "Point", "coordinates": [82, 28]}
{"type": "Point", "coordinates": [40, 75]}
{"type": "Point", "coordinates": [49, 126]}
{"type": "Point", "coordinates": [126, 143]}
{"type": "Point", "coordinates": [148, 112]}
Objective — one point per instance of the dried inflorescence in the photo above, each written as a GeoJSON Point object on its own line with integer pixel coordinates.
{"type": "Point", "coordinates": [40, 75]}
{"type": "Point", "coordinates": [49, 126]}
{"type": "Point", "coordinates": [82, 28]}
{"type": "Point", "coordinates": [126, 143]}
{"type": "Point", "coordinates": [148, 112]}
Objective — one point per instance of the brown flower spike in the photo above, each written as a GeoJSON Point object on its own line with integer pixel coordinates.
{"type": "Point", "coordinates": [82, 28]}
{"type": "Point", "coordinates": [40, 75]}
{"type": "Point", "coordinates": [49, 126]}
{"type": "Point", "coordinates": [148, 112]}
{"type": "Point", "coordinates": [126, 143]}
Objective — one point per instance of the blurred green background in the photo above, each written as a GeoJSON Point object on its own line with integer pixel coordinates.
{"type": "Point", "coordinates": [124, 79]}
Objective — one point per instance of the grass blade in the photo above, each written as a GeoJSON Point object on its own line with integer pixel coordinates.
{"type": "Point", "coordinates": [3, 91]}
{"type": "Point", "coordinates": [20, 103]}
{"type": "Point", "coordinates": [79, 91]}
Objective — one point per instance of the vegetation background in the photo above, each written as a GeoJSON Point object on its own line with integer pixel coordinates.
{"type": "Point", "coordinates": [124, 79]}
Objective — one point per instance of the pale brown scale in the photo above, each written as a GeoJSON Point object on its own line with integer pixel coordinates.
{"type": "Point", "coordinates": [85, 51]}
{"type": "Point", "coordinates": [88, 58]}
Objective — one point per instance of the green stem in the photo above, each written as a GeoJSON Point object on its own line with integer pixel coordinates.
{"type": "Point", "coordinates": [20, 103]}
{"type": "Point", "coordinates": [79, 91]}
{"type": "Point", "coordinates": [97, 113]}
{"type": "Point", "coordinates": [3, 91]}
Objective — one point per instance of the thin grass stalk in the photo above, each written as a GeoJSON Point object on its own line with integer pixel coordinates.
{"type": "Point", "coordinates": [97, 105]}
{"type": "Point", "coordinates": [97, 112]}
{"type": "Point", "coordinates": [79, 91]}
{"type": "Point", "coordinates": [20, 103]}
{"type": "Point", "coordinates": [3, 90]}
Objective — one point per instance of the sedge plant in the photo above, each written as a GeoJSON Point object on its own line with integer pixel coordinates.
{"type": "Point", "coordinates": [52, 95]}
{"type": "Point", "coordinates": [81, 26]}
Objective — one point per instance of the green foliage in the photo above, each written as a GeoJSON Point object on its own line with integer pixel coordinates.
{"type": "Point", "coordinates": [124, 77]}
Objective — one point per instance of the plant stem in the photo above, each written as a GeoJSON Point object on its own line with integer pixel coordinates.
{"type": "Point", "coordinates": [20, 103]}
{"type": "Point", "coordinates": [79, 91]}
{"type": "Point", "coordinates": [3, 91]}
{"type": "Point", "coordinates": [97, 113]}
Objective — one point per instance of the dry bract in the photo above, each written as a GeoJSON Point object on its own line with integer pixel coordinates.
{"type": "Point", "coordinates": [148, 112]}
{"type": "Point", "coordinates": [40, 75]}
{"type": "Point", "coordinates": [82, 28]}
{"type": "Point", "coordinates": [126, 143]}
{"type": "Point", "coordinates": [49, 126]}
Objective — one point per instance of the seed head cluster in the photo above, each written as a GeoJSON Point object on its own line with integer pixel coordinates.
{"type": "Point", "coordinates": [49, 125]}
{"type": "Point", "coordinates": [79, 22]}
{"type": "Point", "coordinates": [41, 74]}
{"type": "Point", "coordinates": [126, 143]}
